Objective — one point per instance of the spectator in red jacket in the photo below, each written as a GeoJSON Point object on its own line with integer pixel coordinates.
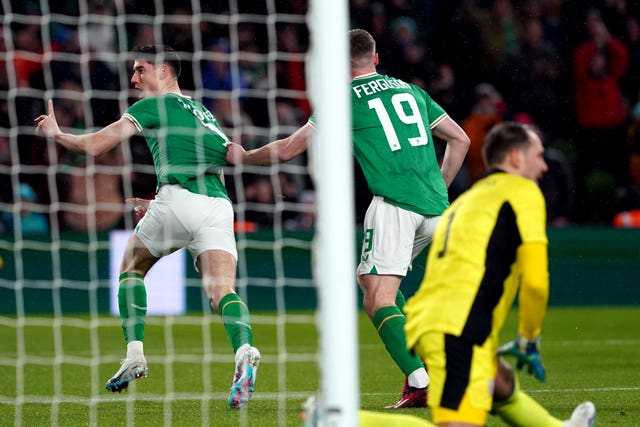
{"type": "Point", "coordinates": [599, 65]}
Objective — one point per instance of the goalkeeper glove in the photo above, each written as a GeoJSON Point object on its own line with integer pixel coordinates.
{"type": "Point", "coordinates": [527, 354]}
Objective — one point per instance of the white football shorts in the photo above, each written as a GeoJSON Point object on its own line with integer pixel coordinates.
{"type": "Point", "coordinates": [178, 218]}
{"type": "Point", "coordinates": [393, 237]}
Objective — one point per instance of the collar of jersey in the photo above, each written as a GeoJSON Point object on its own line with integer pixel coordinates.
{"type": "Point", "coordinates": [365, 76]}
{"type": "Point", "coordinates": [179, 95]}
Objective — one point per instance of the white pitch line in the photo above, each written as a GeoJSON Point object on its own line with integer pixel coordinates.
{"type": "Point", "coordinates": [559, 390]}
{"type": "Point", "coordinates": [257, 396]}
{"type": "Point", "coordinates": [621, 341]}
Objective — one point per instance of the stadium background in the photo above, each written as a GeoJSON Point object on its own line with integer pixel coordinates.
{"type": "Point", "coordinates": [246, 60]}
{"type": "Point", "coordinates": [588, 267]}
{"type": "Point", "coordinates": [470, 55]}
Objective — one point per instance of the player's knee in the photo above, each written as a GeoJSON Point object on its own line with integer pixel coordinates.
{"type": "Point", "coordinates": [137, 263]}
{"type": "Point", "coordinates": [216, 289]}
{"type": "Point", "coordinates": [371, 305]}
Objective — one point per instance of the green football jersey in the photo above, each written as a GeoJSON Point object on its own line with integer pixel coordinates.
{"type": "Point", "coordinates": [392, 141]}
{"type": "Point", "coordinates": [186, 142]}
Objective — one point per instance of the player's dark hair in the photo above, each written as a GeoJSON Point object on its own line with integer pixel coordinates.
{"type": "Point", "coordinates": [501, 139]}
{"type": "Point", "coordinates": [363, 46]}
{"type": "Point", "coordinates": [160, 55]}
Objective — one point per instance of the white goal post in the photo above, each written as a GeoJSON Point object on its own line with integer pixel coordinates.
{"type": "Point", "coordinates": [335, 238]}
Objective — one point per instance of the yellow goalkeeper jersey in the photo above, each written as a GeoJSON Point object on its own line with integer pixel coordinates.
{"type": "Point", "coordinates": [472, 272]}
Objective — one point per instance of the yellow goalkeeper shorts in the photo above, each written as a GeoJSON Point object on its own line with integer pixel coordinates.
{"type": "Point", "coordinates": [462, 377]}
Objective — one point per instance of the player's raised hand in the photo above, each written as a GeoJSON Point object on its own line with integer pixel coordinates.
{"type": "Point", "coordinates": [527, 354]}
{"type": "Point", "coordinates": [235, 153]}
{"type": "Point", "coordinates": [47, 125]}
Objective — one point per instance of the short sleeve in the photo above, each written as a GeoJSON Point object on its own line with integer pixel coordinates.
{"type": "Point", "coordinates": [144, 114]}
{"type": "Point", "coordinates": [435, 112]}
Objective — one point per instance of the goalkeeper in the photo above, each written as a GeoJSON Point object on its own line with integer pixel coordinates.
{"type": "Point", "coordinates": [191, 209]}
{"type": "Point", "coordinates": [490, 244]}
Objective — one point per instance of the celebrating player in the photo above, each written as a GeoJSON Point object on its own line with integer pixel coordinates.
{"type": "Point", "coordinates": [191, 209]}
{"type": "Point", "coordinates": [393, 122]}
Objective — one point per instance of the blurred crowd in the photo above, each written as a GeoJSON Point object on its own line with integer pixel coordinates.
{"type": "Point", "coordinates": [570, 68]}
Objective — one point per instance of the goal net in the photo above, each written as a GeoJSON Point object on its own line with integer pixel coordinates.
{"type": "Point", "coordinates": [64, 215]}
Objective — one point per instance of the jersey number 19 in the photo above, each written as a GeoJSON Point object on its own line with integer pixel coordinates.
{"type": "Point", "coordinates": [413, 118]}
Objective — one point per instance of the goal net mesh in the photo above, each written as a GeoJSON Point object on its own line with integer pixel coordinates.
{"type": "Point", "coordinates": [64, 214]}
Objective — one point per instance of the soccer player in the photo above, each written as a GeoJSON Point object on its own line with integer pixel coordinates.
{"type": "Point", "coordinates": [393, 123]}
{"type": "Point", "coordinates": [191, 209]}
{"type": "Point", "coordinates": [490, 245]}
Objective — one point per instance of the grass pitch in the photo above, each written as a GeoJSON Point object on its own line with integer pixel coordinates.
{"type": "Point", "coordinates": [589, 353]}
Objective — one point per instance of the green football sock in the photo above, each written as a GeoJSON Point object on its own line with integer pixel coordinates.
{"type": "Point", "coordinates": [389, 321]}
{"type": "Point", "coordinates": [237, 324]}
{"type": "Point", "coordinates": [521, 410]}
{"type": "Point", "coordinates": [132, 303]}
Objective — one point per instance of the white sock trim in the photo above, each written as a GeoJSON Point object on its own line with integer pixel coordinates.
{"type": "Point", "coordinates": [419, 378]}
{"type": "Point", "coordinates": [135, 348]}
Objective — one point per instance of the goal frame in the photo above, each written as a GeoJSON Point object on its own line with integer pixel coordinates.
{"type": "Point", "coordinates": [335, 239]}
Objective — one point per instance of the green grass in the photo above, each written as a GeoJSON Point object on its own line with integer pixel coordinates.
{"type": "Point", "coordinates": [589, 353]}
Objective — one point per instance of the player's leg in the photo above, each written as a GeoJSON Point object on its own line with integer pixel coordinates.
{"type": "Point", "coordinates": [518, 409]}
{"type": "Point", "coordinates": [218, 268]}
{"type": "Point", "coordinates": [380, 293]}
{"type": "Point", "coordinates": [132, 304]}
{"type": "Point", "coordinates": [401, 301]}
{"type": "Point", "coordinates": [385, 258]}
{"type": "Point", "coordinates": [214, 248]}
{"type": "Point", "coordinates": [158, 233]}
{"type": "Point", "coordinates": [209, 223]}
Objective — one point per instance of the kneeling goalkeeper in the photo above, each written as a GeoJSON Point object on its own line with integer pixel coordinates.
{"type": "Point", "coordinates": [490, 244]}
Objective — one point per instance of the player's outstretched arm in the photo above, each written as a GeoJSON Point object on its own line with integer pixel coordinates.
{"type": "Point", "coordinates": [457, 146]}
{"type": "Point", "coordinates": [93, 143]}
{"type": "Point", "coordinates": [279, 151]}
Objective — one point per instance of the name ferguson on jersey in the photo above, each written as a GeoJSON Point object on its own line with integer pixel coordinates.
{"type": "Point", "coordinates": [379, 85]}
